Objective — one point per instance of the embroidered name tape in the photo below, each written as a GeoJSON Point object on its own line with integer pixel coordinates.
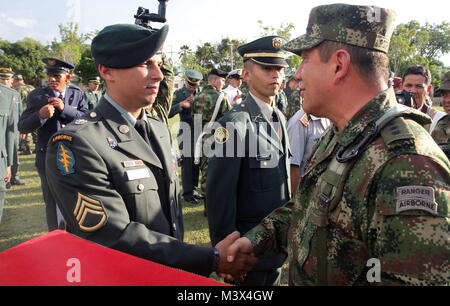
{"type": "Point", "coordinates": [416, 198]}
{"type": "Point", "coordinates": [136, 174]}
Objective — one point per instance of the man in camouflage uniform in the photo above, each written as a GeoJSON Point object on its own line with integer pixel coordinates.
{"type": "Point", "coordinates": [93, 95]}
{"type": "Point", "coordinates": [24, 90]}
{"type": "Point", "coordinates": [161, 108]}
{"type": "Point", "coordinates": [441, 133]}
{"type": "Point", "coordinates": [294, 103]}
{"type": "Point", "coordinates": [376, 191]}
{"type": "Point", "coordinates": [204, 104]}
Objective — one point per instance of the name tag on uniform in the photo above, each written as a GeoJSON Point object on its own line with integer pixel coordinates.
{"type": "Point", "coordinates": [136, 174]}
{"type": "Point", "coordinates": [263, 157]}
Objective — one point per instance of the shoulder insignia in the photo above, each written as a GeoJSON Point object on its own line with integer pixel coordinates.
{"type": "Point", "coordinates": [304, 120]}
{"type": "Point", "coordinates": [89, 213]}
{"type": "Point", "coordinates": [62, 137]}
{"type": "Point", "coordinates": [221, 135]}
{"type": "Point", "coordinates": [416, 198]}
{"type": "Point", "coordinates": [80, 121]}
{"type": "Point", "coordinates": [65, 160]}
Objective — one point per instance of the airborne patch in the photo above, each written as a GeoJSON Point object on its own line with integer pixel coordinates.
{"type": "Point", "coordinates": [62, 137]}
{"type": "Point", "coordinates": [65, 161]}
{"type": "Point", "coordinates": [416, 198]}
{"type": "Point", "coordinates": [89, 213]}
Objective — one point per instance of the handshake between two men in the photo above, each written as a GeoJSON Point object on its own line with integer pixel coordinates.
{"type": "Point", "coordinates": [236, 257]}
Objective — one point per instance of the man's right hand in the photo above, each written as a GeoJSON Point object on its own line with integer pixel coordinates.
{"type": "Point", "coordinates": [46, 111]}
{"type": "Point", "coordinates": [187, 103]}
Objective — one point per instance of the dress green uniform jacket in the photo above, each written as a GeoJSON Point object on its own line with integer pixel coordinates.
{"type": "Point", "coordinates": [113, 189]}
{"type": "Point", "coordinates": [246, 187]}
{"type": "Point", "coordinates": [394, 207]}
{"type": "Point", "coordinates": [8, 126]}
{"type": "Point", "coordinates": [92, 98]}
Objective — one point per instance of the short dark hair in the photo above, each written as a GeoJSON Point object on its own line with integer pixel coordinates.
{"type": "Point", "coordinates": [371, 64]}
{"type": "Point", "coordinates": [419, 70]}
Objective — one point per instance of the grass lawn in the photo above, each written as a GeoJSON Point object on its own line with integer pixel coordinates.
{"type": "Point", "coordinates": [24, 211]}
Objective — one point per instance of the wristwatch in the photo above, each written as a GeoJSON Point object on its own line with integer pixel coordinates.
{"type": "Point", "coordinates": [216, 260]}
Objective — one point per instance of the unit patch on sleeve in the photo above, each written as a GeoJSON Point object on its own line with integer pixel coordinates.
{"type": "Point", "coordinates": [65, 160]}
{"type": "Point", "coordinates": [89, 213]}
{"type": "Point", "coordinates": [416, 198]}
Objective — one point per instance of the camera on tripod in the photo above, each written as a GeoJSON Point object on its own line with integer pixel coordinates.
{"type": "Point", "coordinates": [144, 17]}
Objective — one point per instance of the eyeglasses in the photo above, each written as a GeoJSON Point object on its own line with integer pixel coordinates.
{"type": "Point", "coordinates": [57, 77]}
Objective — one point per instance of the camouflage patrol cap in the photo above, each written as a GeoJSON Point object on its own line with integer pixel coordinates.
{"type": "Point", "coordinates": [363, 26]}
{"type": "Point", "coordinates": [18, 77]}
{"type": "Point", "coordinates": [126, 45]}
{"type": "Point", "coordinates": [445, 84]}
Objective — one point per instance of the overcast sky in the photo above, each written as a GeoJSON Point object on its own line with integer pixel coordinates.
{"type": "Point", "coordinates": [192, 22]}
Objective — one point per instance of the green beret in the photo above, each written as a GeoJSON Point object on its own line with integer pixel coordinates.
{"type": "Point", "coordinates": [445, 84]}
{"type": "Point", "coordinates": [126, 45]}
{"type": "Point", "coordinates": [363, 26]}
{"type": "Point", "coordinates": [265, 51]}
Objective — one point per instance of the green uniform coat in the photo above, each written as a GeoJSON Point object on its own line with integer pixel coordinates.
{"type": "Point", "coordinates": [113, 189]}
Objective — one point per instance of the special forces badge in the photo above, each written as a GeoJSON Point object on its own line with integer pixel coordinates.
{"type": "Point", "coordinates": [65, 160]}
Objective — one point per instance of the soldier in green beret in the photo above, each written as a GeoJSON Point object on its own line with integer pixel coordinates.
{"type": "Point", "coordinates": [441, 133]}
{"type": "Point", "coordinates": [114, 170]}
{"type": "Point", "coordinates": [8, 125]}
{"type": "Point", "coordinates": [372, 207]}
{"type": "Point", "coordinates": [93, 95]}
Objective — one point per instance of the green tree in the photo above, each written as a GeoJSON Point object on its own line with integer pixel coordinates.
{"type": "Point", "coordinates": [72, 44]}
{"type": "Point", "coordinates": [24, 57]}
{"type": "Point", "coordinates": [285, 31]}
{"type": "Point", "coordinates": [412, 43]}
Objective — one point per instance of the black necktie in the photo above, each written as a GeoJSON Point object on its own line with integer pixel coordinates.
{"type": "Point", "coordinates": [275, 116]}
{"type": "Point", "coordinates": [61, 96]}
{"type": "Point", "coordinates": [141, 127]}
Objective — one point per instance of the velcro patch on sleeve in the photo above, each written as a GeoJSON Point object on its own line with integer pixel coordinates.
{"type": "Point", "coordinates": [416, 198]}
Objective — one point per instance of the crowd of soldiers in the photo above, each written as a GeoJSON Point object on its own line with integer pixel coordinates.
{"type": "Point", "coordinates": [366, 179]}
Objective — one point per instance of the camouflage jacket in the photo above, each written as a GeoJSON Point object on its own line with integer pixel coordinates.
{"type": "Point", "coordinates": [24, 90]}
{"type": "Point", "coordinates": [441, 133]}
{"type": "Point", "coordinates": [382, 213]}
{"type": "Point", "coordinates": [205, 102]}
{"type": "Point", "coordinates": [161, 108]}
{"type": "Point", "coordinates": [295, 102]}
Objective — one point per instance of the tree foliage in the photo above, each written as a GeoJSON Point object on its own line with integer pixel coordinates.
{"type": "Point", "coordinates": [413, 43]}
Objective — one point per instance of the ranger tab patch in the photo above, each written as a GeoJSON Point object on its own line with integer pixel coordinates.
{"type": "Point", "coordinates": [65, 161]}
{"type": "Point", "coordinates": [416, 198]}
{"type": "Point", "coordinates": [89, 213]}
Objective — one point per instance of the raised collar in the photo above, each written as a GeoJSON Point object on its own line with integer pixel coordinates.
{"type": "Point", "coordinates": [370, 112]}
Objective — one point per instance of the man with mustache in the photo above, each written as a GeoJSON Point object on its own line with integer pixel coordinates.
{"type": "Point", "coordinates": [114, 171]}
{"type": "Point", "coordinates": [48, 110]}
{"type": "Point", "coordinates": [372, 207]}
{"type": "Point", "coordinates": [248, 173]}
{"type": "Point", "coordinates": [417, 81]}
